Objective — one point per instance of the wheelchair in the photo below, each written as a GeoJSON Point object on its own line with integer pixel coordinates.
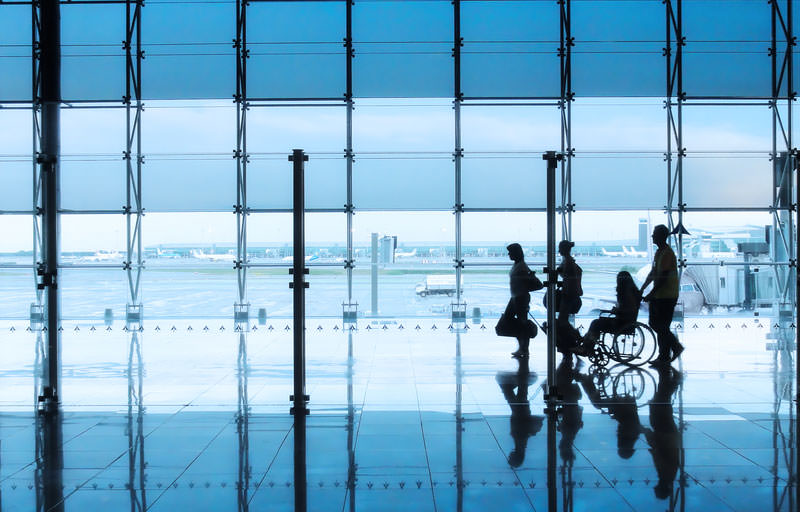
{"type": "Point", "coordinates": [634, 344]}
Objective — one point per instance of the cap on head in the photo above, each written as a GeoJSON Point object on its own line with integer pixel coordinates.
{"type": "Point", "coordinates": [515, 251]}
{"type": "Point", "coordinates": [565, 245]}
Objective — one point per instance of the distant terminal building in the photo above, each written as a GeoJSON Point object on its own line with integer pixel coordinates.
{"type": "Point", "coordinates": [644, 235]}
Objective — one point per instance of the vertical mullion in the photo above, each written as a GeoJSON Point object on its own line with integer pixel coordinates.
{"type": "Point", "coordinates": [458, 154]}
{"type": "Point", "coordinates": [348, 152]}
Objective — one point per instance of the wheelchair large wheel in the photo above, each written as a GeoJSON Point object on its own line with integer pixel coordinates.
{"type": "Point", "coordinates": [633, 345]}
{"type": "Point", "coordinates": [635, 383]}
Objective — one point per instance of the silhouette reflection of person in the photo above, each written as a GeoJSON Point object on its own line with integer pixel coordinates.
{"type": "Point", "coordinates": [571, 413]}
{"type": "Point", "coordinates": [521, 281]}
{"type": "Point", "coordinates": [621, 408]}
{"type": "Point", "coordinates": [664, 436]}
{"type": "Point", "coordinates": [523, 423]}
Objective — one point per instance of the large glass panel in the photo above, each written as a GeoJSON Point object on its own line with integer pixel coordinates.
{"type": "Point", "coordinates": [726, 52]}
{"type": "Point", "coordinates": [403, 125]}
{"type": "Point", "coordinates": [17, 136]}
{"type": "Point", "coordinates": [619, 124]}
{"type": "Point", "coordinates": [729, 256]}
{"type": "Point", "coordinates": [622, 56]}
{"type": "Point", "coordinates": [392, 182]}
{"type": "Point", "coordinates": [93, 183]}
{"type": "Point", "coordinates": [269, 240]}
{"type": "Point", "coordinates": [510, 128]}
{"type": "Point", "coordinates": [86, 294]}
{"type": "Point", "coordinates": [16, 184]}
{"type": "Point", "coordinates": [288, 59]}
{"type": "Point", "coordinates": [188, 50]}
{"type": "Point", "coordinates": [15, 52]}
{"type": "Point", "coordinates": [629, 181]}
{"type": "Point", "coordinates": [93, 239]}
{"type": "Point", "coordinates": [510, 180]}
{"type": "Point", "coordinates": [727, 180]}
{"type": "Point", "coordinates": [485, 236]}
{"type": "Point", "coordinates": [190, 265]}
{"type": "Point", "coordinates": [424, 246]}
{"type": "Point", "coordinates": [93, 59]}
{"type": "Point", "coordinates": [189, 127]}
{"type": "Point", "coordinates": [403, 49]}
{"type": "Point", "coordinates": [280, 129]}
{"type": "Point", "coordinates": [17, 289]}
{"type": "Point", "coordinates": [270, 182]}
{"type": "Point", "coordinates": [270, 245]}
{"type": "Point", "coordinates": [185, 183]}
{"type": "Point", "coordinates": [733, 129]}
{"type": "Point", "coordinates": [607, 243]}
{"type": "Point", "coordinates": [501, 36]}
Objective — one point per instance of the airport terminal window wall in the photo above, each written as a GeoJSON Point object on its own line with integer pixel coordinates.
{"type": "Point", "coordinates": [407, 138]}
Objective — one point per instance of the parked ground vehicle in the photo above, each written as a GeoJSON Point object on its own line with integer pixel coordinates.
{"type": "Point", "coordinates": [437, 284]}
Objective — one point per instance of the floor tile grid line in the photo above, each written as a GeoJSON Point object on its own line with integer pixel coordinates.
{"type": "Point", "coordinates": [35, 460]}
{"type": "Point", "coordinates": [422, 425]}
{"type": "Point", "coordinates": [357, 425]}
{"type": "Point", "coordinates": [174, 481]}
{"type": "Point", "coordinates": [260, 481]}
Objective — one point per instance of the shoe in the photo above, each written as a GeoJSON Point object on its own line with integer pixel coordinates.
{"type": "Point", "coordinates": [677, 352]}
{"type": "Point", "coordinates": [659, 362]}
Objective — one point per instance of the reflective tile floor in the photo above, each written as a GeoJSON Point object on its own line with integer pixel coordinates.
{"type": "Point", "coordinates": [191, 415]}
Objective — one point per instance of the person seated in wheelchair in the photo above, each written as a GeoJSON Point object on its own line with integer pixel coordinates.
{"type": "Point", "coordinates": [623, 314]}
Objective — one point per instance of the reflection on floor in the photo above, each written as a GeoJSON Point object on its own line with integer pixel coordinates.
{"type": "Point", "coordinates": [402, 418]}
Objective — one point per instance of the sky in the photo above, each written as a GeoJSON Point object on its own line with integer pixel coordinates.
{"type": "Point", "coordinates": [402, 161]}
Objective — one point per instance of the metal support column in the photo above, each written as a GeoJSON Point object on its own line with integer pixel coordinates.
{"type": "Point", "coordinates": [552, 159]}
{"type": "Point", "coordinates": [137, 485]}
{"type": "Point", "coordinates": [49, 97]}
{"type": "Point", "coordinates": [673, 51]}
{"type": "Point", "coordinates": [37, 308]}
{"type": "Point", "coordinates": [49, 472]}
{"type": "Point", "coordinates": [783, 154]}
{"type": "Point", "coordinates": [349, 211]}
{"type": "Point", "coordinates": [241, 308]}
{"type": "Point", "coordinates": [458, 154]}
{"type": "Point", "coordinates": [352, 475]}
{"type": "Point", "coordinates": [134, 159]}
{"type": "Point", "coordinates": [565, 106]}
{"type": "Point", "coordinates": [299, 399]}
{"type": "Point", "coordinates": [460, 483]}
{"type": "Point", "coordinates": [243, 427]}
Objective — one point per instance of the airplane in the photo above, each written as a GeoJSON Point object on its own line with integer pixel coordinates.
{"type": "Point", "coordinates": [310, 257]}
{"type": "Point", "coordinates": [103, 256]}
{"type": "Point", "coordinates": [633, 252]}
{"type": "Point", "coordinates": [400, 254]}
{"type": "Point", "coordinates": [200, 255]}
{"type": "Point", "coordinates": [613, 253]}
{"type": "Point", "coordinates": [167, 254]}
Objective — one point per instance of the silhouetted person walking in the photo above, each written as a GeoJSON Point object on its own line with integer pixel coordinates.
{"type": "Point", "coordinates": [523, 423]}
{"type": "Point", "coordinates": [521, 282]}
{"type": "Point", "coordinates": [569, 300]}
{"type": "Point", "coordinates": [663, 297]}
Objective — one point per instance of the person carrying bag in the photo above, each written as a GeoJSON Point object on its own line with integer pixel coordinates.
{"type": "Point", "coordinates": [514, 321]}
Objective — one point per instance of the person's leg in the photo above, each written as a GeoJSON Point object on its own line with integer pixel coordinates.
{"type": "Point", "coordinates": [676, 348]}
{"type": "Point", "coordinates": [521, 304]}
{"type": "Point", "coordinates": [659, 322]}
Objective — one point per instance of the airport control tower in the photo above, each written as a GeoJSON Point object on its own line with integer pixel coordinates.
{"type": "Point", "coordinates": [644, 235]}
